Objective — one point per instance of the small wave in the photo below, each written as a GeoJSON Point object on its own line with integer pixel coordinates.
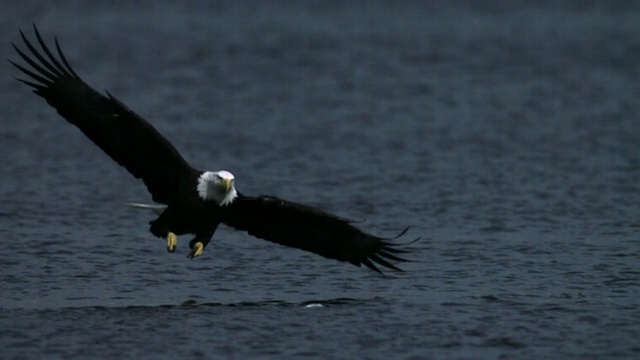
{"type": "Point", "coordinates": [195, 304]}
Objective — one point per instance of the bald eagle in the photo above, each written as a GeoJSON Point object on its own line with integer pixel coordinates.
{"type": "Point", "coordinates": [192, 201]}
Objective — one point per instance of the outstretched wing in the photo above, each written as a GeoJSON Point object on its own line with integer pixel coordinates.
{"type": "Point", "coordinates": [307, 228]}
{"type": "Point", "coordinates": [122, 134]}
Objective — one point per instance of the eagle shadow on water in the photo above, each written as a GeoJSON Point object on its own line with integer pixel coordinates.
{"type": "Point", "coordinates": [189, 200]}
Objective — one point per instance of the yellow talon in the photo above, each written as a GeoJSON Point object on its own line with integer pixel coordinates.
{"type": "Point", "coordinates": [172, 241]}
{"type": "Point", "coordinates": [197, 250]}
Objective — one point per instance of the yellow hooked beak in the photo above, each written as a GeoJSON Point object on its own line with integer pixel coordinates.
{"type": "Point", "coordinates": [227, 183]}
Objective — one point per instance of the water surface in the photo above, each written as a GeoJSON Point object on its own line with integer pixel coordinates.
{"type": "Point", "coordinates": [506, 135]}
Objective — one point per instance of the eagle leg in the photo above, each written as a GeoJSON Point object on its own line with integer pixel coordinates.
{"type": "Point", "coordinates": [172, 241]}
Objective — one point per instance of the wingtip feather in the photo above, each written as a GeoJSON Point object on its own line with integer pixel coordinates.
{"type": "Point", "coordinates": [385, 254]}
{"type": "Point", "coordinates": [384, 262]}
{"type": "Point", "coordinates": [371, 266]}
{"type": "Point", "coordinates": [38, 87]}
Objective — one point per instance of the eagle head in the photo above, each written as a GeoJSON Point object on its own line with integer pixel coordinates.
{"type": "Point", "coordinates": [217, 186]}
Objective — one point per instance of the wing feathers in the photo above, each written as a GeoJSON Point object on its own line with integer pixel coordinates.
{"type": "Point", "coordinates": [383, 262]}
{"type": "Point", "coordinates": [33, 75]}
{"type": "Point", "coordinates": [63, 58]}
{"type": "Point", "coordinates": [50, 77]}
{"type": "Point", "coordinates": [122, 134]}
{"type": "Point", "coordinates": [56, 72]}
{"type": "Point", "coordinates": [385, 254]}
{"type": "Point", "coordinates": [54, 61]}
{"type": "Point", "coordinates": [307, 228]}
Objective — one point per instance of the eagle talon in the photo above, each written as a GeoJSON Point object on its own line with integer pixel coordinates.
{"type": "Point", "coordinates": [172, 241]}
{"type": "Point", "coordinates": [196, 250]}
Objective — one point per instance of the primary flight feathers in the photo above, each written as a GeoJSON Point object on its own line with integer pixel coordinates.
{"type": "Point", "coordinates": [195, 201]}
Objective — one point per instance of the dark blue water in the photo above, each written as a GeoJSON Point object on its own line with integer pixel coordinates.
{"type": "Point", "coordinates": [507, 135]}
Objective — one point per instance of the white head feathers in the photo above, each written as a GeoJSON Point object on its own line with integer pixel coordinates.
{"type": "Point", "coordinates": [217, 186]}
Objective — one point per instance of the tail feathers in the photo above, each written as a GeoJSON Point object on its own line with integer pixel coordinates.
{"type": "Point", "coordinates": [158, 209]}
